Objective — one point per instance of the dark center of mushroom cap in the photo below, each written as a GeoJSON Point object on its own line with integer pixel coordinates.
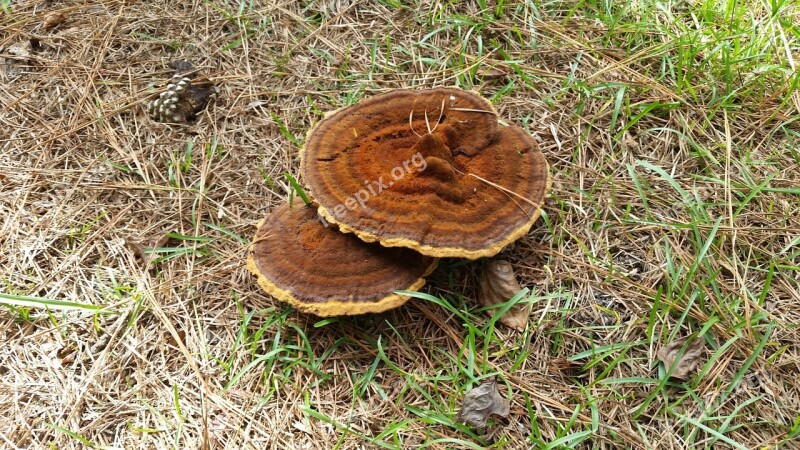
{"type": "Point", "coordinates": [437, 156]}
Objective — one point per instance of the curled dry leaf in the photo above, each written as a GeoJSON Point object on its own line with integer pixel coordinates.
{"type": "Point", "coordinates": [563, 365]}
{"type": "Point", "coordinates": [687, 362]}
{"type": "Point", "coordinates": [482, 402]}
{"type": "Point", "coordinates": [497, 285]}
{"type": "Point", "coordinates": [66, 354]}
{"type": "Point", "coordinates": [53, 20]}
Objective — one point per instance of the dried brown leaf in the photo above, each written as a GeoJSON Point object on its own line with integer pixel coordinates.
{"type": "Point", "coordinates": [497, 285]}
{"type": "Point", "coordinates": [142, 254]}
{"type": "Point", "coordinates": [482, 402]}
{"type": "Point", "coordinates": [66, 354]}
{"type": "Point", "coordinates": [563, 365]}
{"type": "Point", "coordinates": [161, 242]}
{"type": "Point", "coordinates": [139, 255]}
{"type": "Point", "coordinates": [687, 362]}
{"type": "Point", "coordinates": [53, 20]}
{"type": "Point", "coordinates": [180, 66]}
{"type": "Point", "coordinates": [493, 73]}
{"type": "Point", "coordinates": [170, 338]}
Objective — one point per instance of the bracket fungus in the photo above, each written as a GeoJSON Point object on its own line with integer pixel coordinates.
{"type": "Point", "coordinates": [319, 270]}
{"type": "Point", "coordinates": [430, 170]}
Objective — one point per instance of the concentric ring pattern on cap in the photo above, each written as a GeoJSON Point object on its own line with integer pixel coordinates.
{"type": "Point", "coordinates": [319, 270]}
{"type": "Point", "coordinates": [430, 170]}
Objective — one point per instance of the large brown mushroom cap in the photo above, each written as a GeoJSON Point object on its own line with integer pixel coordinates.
{"type": "Point", "coordinates": [466, 189]}
{"type": "Point", "coordinates": [322, 271]}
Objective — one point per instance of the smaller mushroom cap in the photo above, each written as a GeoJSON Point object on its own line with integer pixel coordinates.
{"type": "Point", "coordinates": [321, 271]}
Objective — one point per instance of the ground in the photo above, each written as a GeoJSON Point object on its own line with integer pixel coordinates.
{"type": "Point", "coordinates": [130, 320]}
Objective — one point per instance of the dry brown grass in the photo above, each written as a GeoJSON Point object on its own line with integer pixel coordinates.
{"type": "Point", "coordinates": [88, 183]}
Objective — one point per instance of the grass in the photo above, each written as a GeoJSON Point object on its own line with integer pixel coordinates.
{"type": "Point", "coordinates": [129, 319]}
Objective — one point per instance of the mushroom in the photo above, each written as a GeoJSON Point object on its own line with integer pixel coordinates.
{"type": "Point", "coordinates": [319, 270]}
{"type": "Point", "coordinates": [429, 170]}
